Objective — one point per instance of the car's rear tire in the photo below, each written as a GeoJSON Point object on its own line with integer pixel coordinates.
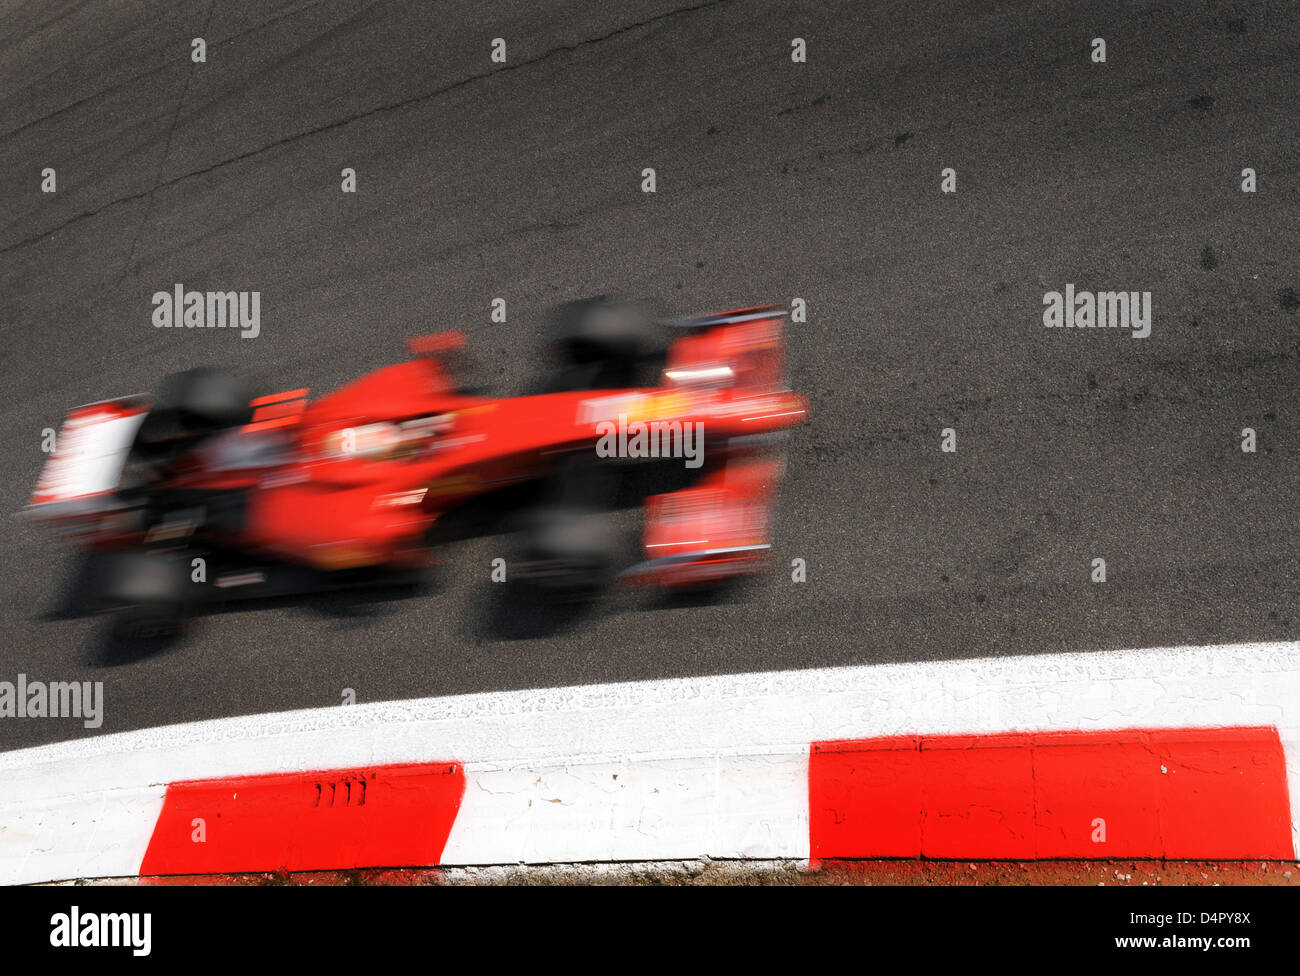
{"type": "Point", "coordinates": [602, 343]}
{"type": "Point", "coordinates": [568, 550]}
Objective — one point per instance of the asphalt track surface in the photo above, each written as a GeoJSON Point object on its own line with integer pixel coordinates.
{"type": "Point", "coordinates": [775, 180]}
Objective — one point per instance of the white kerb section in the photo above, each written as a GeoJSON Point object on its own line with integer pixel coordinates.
{"type": "Point", "coordinates": [675, 769]}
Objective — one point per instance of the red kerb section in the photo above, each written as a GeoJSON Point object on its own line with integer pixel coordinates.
{"type": "Point", "coordinates": [1173, 793]}
{"type": "Point", "coordinates": [382, 816]}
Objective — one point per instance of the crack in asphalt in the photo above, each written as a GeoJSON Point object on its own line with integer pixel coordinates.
{"type": "Point", "coordinates": [171, 62]}
{"type": "Point", "coordinates": [340, 123]}
{"type": "Point", "coordinates": [166, 150]}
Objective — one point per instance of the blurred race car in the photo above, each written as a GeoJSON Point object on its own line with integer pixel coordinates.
{"type": "Point", "coordinates": [204, 491]}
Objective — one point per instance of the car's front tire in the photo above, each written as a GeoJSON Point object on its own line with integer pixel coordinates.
{"type": "Point", "coordinates": [148, 594]}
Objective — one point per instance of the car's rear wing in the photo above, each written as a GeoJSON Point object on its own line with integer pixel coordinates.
{"type": "Point", "coordinates": [757, 313]}
{"type": "Point", "coordinates": [721, 527]}
{"type": "Point", "coordinates": [743, 349]}
{"type": "Point", "coordinates": [717, 529]}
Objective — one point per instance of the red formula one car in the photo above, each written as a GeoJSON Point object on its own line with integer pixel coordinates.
{"type": "Point", "coordinates": [203, 490]}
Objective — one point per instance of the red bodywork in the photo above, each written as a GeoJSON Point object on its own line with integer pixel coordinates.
{"type": "Point", "coordinates": [358, 477]}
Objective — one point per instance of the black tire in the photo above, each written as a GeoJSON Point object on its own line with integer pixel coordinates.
{"type": "Point", "coordinates": [603, 343]}
{"type": "Point", "coordinates": [569, 550]}
{"type": "Point", "coordinates": [148, 594]}
{"type": "Point", "coordinates": [203, 400]}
